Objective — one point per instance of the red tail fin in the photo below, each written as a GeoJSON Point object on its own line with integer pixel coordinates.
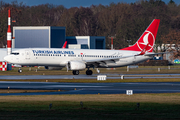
{"type": "Point", "coordinates": [147, 38]}
{"type": "Point", "coordinates": [64, 46]}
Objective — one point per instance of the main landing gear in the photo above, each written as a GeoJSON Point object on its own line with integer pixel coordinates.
{"type": "Point", "coordinates": [89, 72]}
{"type": "Point", "coordinates": [75, 72]}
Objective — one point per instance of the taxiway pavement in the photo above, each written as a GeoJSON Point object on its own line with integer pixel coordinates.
{"type": "Point", "coordinates": [94, 76]}
{"type": "Point", "coordinates": [91, 88]}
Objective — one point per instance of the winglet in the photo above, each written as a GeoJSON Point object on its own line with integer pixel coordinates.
{"type": "Point", "coordinates": [64, 46]}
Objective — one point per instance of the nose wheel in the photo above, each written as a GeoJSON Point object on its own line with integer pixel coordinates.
{"type": "Point", "coordinates": [89, 72]}
{"type": "Point", "coordinates": [75, 72]}
{"type": "Point", "coordinates": [20, 70]}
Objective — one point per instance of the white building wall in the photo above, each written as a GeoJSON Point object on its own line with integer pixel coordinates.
{"type": "Point", "coordinates": [3, 53]}
{"type": "Point", "coordinates": [90, 41]}
{"type": "Point", "coordinates": [38, 36]}
{"type": "Point", "coordinates": [34, 36]}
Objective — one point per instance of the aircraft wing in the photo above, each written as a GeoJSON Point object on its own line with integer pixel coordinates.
{"type": "Point", "coordinates": [101, 60]}
{"type": "Point", "coordinates": [105, 60]}
{"type": "Point", "coordinates": [113, 60]}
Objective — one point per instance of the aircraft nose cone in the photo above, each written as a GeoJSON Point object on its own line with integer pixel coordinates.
{"type": "Point", "coordinates": [7, 58]}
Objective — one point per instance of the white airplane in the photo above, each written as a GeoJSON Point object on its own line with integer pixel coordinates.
{"type": "Point", "coordinates": [57, 67]}
{"type": "Point", "coordinates": [80, 59]}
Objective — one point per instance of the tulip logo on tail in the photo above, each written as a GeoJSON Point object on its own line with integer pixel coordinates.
{"type": "Point", "coordinates": [149, 39]}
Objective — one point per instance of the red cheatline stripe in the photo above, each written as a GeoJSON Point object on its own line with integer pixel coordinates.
{"type": "Point", "coordinates": [9, 28]}
{"type": "Point", "coordinates": [9, 13]}
{"type": "Point", "coordinates": [8, 43]}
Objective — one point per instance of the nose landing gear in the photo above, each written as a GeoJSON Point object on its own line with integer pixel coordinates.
{"type": "Point", "coordinates": [20, 70]}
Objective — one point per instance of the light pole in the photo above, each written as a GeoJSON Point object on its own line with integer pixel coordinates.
{"type": "Point", "coordinates": [112, 37]}
{"type": "Point", "coordinates": [128, 42]}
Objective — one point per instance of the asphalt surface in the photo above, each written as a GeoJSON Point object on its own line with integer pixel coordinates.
{"type": "Point", "coordinates": [94, 76]}
{"type": "Point", "coordinates": [90, 88]}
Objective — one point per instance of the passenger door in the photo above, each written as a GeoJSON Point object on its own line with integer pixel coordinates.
{"type": "Point", "coordinates": [27, 55]}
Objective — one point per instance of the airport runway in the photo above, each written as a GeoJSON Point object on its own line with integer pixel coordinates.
{"type": "Point", "coordinates": [94, 76]}
{"type": "Point", "coordinates": [91, 88]}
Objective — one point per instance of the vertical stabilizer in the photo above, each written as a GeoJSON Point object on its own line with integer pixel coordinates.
{"type": "Point", "coordinates": [65, 44]}
{"type": "Point", "coordinates": [147, 39]}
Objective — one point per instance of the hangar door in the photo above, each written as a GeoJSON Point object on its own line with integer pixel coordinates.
{"type": "Point", "coordinates": [99, 43]}
{"type": "Point", "coordinates": [32, 38]}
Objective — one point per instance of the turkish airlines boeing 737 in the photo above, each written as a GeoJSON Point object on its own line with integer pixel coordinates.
{"type": "Point", "coordinates": [80, 59]}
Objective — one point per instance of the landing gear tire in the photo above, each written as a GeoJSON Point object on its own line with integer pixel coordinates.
{"type": "Point", "coordinates": [20, 71]}
{"type": "Point", "coordinates": [89, 72]}
{"type": "Point", "coordinates": [75, 72]}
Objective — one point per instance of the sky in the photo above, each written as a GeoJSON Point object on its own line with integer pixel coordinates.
{"type": "Point", "coordinates": [76, 3]}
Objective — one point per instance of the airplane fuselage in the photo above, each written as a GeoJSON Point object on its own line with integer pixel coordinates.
{"type": "Point", "coordinates": [80, 59]}
{"type": "Point", "coordinates": [60, 57]}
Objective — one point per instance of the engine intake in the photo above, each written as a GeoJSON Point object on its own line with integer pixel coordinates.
{"type": "Point", "coordinates": [76, 65]}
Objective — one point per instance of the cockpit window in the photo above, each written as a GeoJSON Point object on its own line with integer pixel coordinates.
{"type": "Point", "coordinates": [15, 53]}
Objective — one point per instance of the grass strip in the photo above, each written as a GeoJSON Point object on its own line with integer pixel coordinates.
{"type": "Point", "coordinates": [152, 106]}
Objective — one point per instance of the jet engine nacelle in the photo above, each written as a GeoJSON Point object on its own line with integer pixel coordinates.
{"type": "Point", "coordinates": [76, 65]}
